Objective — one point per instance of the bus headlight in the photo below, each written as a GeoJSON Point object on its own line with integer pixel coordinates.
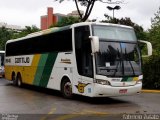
{"type": "Point", "coordinates": [140, 78]}
{"type": "Point", "coordinates": [138, 81]}
{"type": "Point", "coordinates": [103, 82]}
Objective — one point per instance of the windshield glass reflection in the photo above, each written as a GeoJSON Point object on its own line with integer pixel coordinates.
{"type": "Point", "coordinates": [118, 59]}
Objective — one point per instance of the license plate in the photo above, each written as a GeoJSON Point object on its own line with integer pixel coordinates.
{"type": "Point", "coordinates": [123, 91]}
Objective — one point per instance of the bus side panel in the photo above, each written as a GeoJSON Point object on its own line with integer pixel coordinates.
{"type": "Point", "coordinates": [25, 65]}
{"type": "Point", "coordinates": [29, 72]}
{"type": "Point", "coordinates": [10, 67]}
{"type": "Point", "coordinates": [63, 67]}
{"type": "Point", "coordinates": [40, 68]}
{"type": "Point", "coordinates": [44, 69]}
{"type": "Point", "coordinates": [8, 72]}
{"type": "Point", "coordinates": [34, 69]}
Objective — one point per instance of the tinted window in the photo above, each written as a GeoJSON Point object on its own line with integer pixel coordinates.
{"type": "Point", "coordinates": [59, 41]}
{"type": "Point", "coordinates": [83, 51]}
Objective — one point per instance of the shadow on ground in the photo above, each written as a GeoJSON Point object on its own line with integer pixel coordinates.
{"type": "Point", "coordinates": [96, 101]}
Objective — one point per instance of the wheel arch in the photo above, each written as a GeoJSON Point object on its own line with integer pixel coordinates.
{"type": "Point", "coordinates": [65, 77]}
{"type": "Point", "coordinates": [19, 75]}
{"type": "Point", "coordinates": [13, 75]}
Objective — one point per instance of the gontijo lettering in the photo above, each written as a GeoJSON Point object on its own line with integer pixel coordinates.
{"type": "Point", "coordinates": [8, 60]}
{"type": "Point", "coordinates": [22, 60]}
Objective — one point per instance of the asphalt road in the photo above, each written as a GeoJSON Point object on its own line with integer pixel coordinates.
{"type": "Point", "coordinates": [36, 103]}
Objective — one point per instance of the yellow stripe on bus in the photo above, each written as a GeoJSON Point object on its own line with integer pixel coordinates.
{"type": "Point", "coordinates": [31, 71]}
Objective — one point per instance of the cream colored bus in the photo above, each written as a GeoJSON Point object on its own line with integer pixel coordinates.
{"type": "Point", "coordinates": [89, 59]}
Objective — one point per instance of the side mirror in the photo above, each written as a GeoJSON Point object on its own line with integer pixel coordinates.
{"type": "Point", "coordinates": [94, 43]}
{"type": "Point", "coordinates": [149, 47]}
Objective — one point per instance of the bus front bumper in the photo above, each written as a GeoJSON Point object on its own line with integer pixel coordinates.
{"type": "Point", "coordinates": [109, 91]}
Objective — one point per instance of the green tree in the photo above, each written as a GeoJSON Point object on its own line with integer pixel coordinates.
{"type": "Point", "coordinates": [89, 6]}
{"type": "Point", "coordinates": [154, 32]}
{"type": "Point", "coordinates": [66, 21]}
{"type": "Point", "coordinates": [31, 29]}
{"type": "Point", "coordinates": [152, 65]}
{"type": "Point", "coordinates": [5, 35]}
{"type": "Point", "coordinates": [27, 30]}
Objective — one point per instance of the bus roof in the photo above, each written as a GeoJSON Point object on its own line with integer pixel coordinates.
{"type": "Point", "coordinates": [39, 33]}
{"type": "Point", "coordinates": [98, 23]}
{"type": "Point", "coordinates": [56, 29]}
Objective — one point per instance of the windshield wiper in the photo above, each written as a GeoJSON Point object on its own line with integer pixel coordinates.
{"type": "Point", "coordinates": [126, 56]}
{"type": "Point", "coordinates": [119, 61]}
{"type": "Point", "coordinates": [122, 59]}
{"type": "Point", "coordinates": [108, 68]}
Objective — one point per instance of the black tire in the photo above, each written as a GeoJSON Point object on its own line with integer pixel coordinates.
{"type": "Point", "coordinates": [19, 81]}
{"type": "Point", "coordinates": [66, 89]}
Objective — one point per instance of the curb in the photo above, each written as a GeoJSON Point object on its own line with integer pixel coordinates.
{"type": "Point", "coordinates": [150, 91]}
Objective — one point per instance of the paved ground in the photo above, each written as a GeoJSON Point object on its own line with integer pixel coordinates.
{"type": "Point", "coordinates": [36, 103]}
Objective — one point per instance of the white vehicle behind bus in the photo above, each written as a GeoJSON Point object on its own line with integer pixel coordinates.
{"type": "Point", "coordinates": [89, 59]}
{"type": "Point", "coordinates": [2, 63]}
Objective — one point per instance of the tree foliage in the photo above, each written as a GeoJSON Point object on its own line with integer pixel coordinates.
{"type": "Point", "coordinates": [156, 20]}
{"type": "Point", "coordinates": [152, 65]}
{"type": "Point", "coordinates": [66, 21]}
{"type": "Point", "coordinates": [151, 72]}
{"type": "Point", "coordinates": [27, 30]}
{"type": "Point", "coordinates": [154, 35]}
{"type": "Point", "coordinates": [89, 4]}
{"type": "Point", "coordinates": [7, 34]}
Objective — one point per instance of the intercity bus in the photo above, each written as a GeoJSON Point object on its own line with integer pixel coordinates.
{"type": "Point", "coordinates": [89, 59]}
{"type": "Point", "coordinates": [2, 63]}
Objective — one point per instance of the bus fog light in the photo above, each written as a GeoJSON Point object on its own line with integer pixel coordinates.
{"type": "Point", "coordinates": [103, 82]}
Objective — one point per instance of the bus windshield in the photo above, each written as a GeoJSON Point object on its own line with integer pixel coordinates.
{"type": "Point", "coordinates": [119, 53]}
{"type": "Point", "coordinates": [114, 33]}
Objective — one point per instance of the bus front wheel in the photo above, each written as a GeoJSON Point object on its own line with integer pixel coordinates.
{"type": "Point", "coordinates": [66, 88]}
